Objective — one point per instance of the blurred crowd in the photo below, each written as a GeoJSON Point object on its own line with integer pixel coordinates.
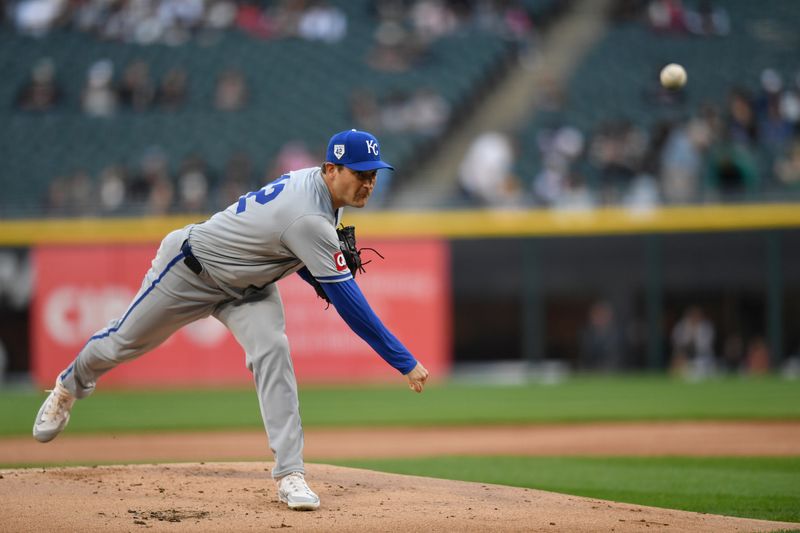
{"type": "Point", "coordinates": [743, 145]}
{"type": "Point", "coordinates": [175, 22]}
{"type": "Point", "coordinates": [746, 147]}
{"type": "Point", "coordinates": [404, 27]}
{"type": "Point", "coordinates": [401, 35]}
{"type": "Point", "coordinates": [105, 93]}
{"type": "Point", "coordinates": [608, 343]}
{"type": "Point", "coordinates": [155, 186]}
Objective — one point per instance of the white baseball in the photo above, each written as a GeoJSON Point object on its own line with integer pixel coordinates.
{"type": "Point", "coordinates": [673, 76]}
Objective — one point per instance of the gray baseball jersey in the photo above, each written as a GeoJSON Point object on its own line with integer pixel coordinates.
{"type": "Point", "coordinates": [243, 250]}
{"type": "Point", "coordinates": [272, 233]}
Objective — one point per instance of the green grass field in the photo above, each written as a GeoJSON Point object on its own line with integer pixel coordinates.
{"type": "Point", "coordinates": [766, 488]}
{"type": "Point", "coordinates": [583, 399]}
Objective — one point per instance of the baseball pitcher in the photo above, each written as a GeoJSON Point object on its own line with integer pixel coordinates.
{"type": "Point", "coordinates": [227, 267]}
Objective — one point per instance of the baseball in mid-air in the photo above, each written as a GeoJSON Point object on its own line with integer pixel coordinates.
{"type": "Point", "coordinates": [673, 76]}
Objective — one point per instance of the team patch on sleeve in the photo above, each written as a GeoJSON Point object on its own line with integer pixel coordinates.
{"type": "Point", "coordinates": [340, 262]}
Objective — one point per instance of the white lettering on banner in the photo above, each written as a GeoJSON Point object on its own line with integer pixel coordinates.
{"type": "Point", "coordinates": [372, 147]}
{"type": "Point", "coordinates": [73, 314]}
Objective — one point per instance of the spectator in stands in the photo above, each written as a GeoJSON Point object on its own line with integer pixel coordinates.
{"type": "Point", "coordinates": [787, 166]}
{"type": "Point", "coordinates": [194, 182]}
{"type": "Point", "coordinates": [602, 346]}
{"type": "Point", "coordinates": [136, 91]}
{"type": "Point", "coordinates": [681, 165]}
{"type": "Point", "coordinates": [790, 105]}
{"type": "Point", "coordinates": [422, 111]}
{"type": "Point", "coordinates": [517, 22]}
{"type": "Point", "coordinates": [292, 155]}
{"type": "Point", "coordinates": [395, 49]}
{"type": "Point", "coordinates": [178, 19]}
{"type": "Point", "coordinates": [81, 194]}
{"type": "Point", "coordinates": [666, 16]}
{"type": "Point", "coordinates": [428, 112]}
{"type": "Point", "coordinates": [42, 91]}
{"type": "Point", "coordinates": [151, 189]}
{"type": "Point", "coordinates": [285, 17]}
{"type": "Point", "coordinates": [644, 193]}
{"type": "Point", "coordinates": [71, 195]}
{"type": "Point", "coordinates": [708, 19]}
{"type": "Point", "coordinates": [237, 179]}
{"type": "Point", "coordinates": [432, 19]}
{"type": "Point", "coordinates": [220, 15]}
{"type": "Point", "coordinates": [486, 174]}
{"type": "Point", "coordinates": [231, 93]}
{"type": "Point", "coordinates": [37, 17]}
{"type": "Point", "coordinates": [322, 22]}
{"type": "Point", "coordinates": [550, 183]}
{"type": "Point", "coordinates": [394, 116]}
{"type": "Point", "coordinates": [732, 171]}
{"type": "Point", "coordinates": [558, 183]}
{"type": "Point", "coordinates": [99, 98]}
{"type": "Point", "coordinates": [112, 189]}
{"type": "Point", "coordinates": [617, 149]}
{"type": "Point", "coordinates": [256, 22]}
{"type": "Point", "coordinates": [171, 93]}
{"type": "Point", "coordinates": [57, 200]}
{"type": "Point", "coordinates": [693, 344]}
{"type": "Point", "coordinates": [774, 128]}
{"type": "Point", "coordinates": [741, 119]}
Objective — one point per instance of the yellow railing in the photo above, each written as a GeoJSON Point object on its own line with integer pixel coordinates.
{"type": "Point", "coordinates": [443, 224]}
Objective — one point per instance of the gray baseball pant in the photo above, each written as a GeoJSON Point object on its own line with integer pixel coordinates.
{"type": "Point", "coordinates": [172, 296]}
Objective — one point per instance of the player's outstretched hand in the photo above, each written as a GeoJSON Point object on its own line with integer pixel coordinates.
{"type": "Point", "coordinates": [417, 378]}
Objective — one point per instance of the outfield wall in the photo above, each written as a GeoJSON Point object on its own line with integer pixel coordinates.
{"type": "Point", "coordinates": [79, 288]}
{"type": "Point", "coordinates": [471, 286]}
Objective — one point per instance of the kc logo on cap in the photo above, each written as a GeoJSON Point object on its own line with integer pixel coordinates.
{"type": "Point", "coordinates": [357, 150]}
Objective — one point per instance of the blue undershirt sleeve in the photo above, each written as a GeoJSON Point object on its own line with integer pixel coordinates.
{"type": "Point", "coordinates": [305, 274]}
{"type": "Point", "coordinates": [352, 306]}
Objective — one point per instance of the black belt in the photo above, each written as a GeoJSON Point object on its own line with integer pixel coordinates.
{"type": "Point", "coordinates": [189, 259]}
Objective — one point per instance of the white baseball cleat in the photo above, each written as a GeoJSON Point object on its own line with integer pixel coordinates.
{"type": "Point", "coordinates": [293, 491]}
{"type": "Point", "coordinates": [54, 414]}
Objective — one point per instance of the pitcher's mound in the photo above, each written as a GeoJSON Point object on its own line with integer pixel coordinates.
{"type": "Point", "coordinates": [242, 497]}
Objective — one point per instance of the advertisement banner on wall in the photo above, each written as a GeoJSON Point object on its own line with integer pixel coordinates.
{"type": "Point", "coordinates": [80, 289]}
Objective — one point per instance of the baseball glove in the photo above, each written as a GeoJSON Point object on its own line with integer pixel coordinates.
{"type": "Point", "coordinates": [352, 256]}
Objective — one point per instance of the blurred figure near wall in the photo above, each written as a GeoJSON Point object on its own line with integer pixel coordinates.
{"type": "Point", "coordinates": [602, 342]}
{"type": "Point", "coordinates": [3, 363]}
{"type": "Point", "coordinates": [693, 345]}
{"type": "Point", "coordinates": [758, 356]}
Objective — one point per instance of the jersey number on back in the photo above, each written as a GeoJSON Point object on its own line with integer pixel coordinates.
{"type": "Point", "coordinates": [264, 195]}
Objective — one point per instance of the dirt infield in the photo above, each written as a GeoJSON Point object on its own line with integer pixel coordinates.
{"type": "Point", "coordinates": [235, 497]}
{"type": "Point", "coordinates": [239, 496]}
{"type": "Point", "coordinates": [668, 438]}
